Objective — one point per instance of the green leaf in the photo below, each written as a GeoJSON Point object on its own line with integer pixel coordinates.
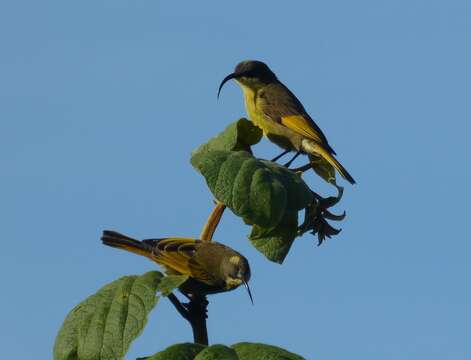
{"type": "Point", "coordinates": [239, 135]}
{"type": "Point", "coordinates": [171, 282]}
{"type": "Point", "coordinates": [263, 193]}
{"type": "Point", "coordinates": [185, 351]}
{"type": "Point", "coordinates": [275, 242]}
{"type": "Point", "coordinates": [240, 351]}
{"type": "Point", "coordinates": [103, 326]}
{"type": "Point", "coordinates": [217, 352]}
{"type": "Point", "coordinates": [250, 351]}
{"type": "Point", "coordinates": [299, 194]}
{"type": "Point", "coordinates": [259, 191]}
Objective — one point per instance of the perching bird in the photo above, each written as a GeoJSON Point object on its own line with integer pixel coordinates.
{"type": "Point", "coordinates": [281, 116]}
{"type": "Point", "coordinates": [212, 267]}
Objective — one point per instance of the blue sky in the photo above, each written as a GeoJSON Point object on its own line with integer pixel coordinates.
{"type": "Point", "coordinates": [102, 102]}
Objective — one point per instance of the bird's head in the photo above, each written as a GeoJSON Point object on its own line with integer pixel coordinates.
{"type": "Point", "coordinates": [250, 73]}
{"type": "Point", "coordinates": [236, 271]}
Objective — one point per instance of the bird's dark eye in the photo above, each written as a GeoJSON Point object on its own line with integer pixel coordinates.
{"type": "Point", "coordinates": [234, 273]}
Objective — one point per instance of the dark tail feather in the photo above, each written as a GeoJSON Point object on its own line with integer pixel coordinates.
{"type": "Point", "coordinates": [120, 241]}
{"type": "Point", "coordinates": [349, 178]}
{"type": "Point", "coordinates": [346, 175]}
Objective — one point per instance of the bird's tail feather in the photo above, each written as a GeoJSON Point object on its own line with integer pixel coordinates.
{"type": "Point", "coordinates": [317, 149]}
{"type": "Point", "coordinates": [120, 241]}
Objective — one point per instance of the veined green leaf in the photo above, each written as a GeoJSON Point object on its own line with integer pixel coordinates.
{"type": "Point", "coordinates": [217, 352]}
{"type": "Point", "coordinates": [185, 351]}
{"type": "Point", "coordinates": [103, 326]}
{"type": "Point", "coordinates": [259, 191]}
{"type": "Point", "coordinates": [240, 351]}
{"type": "Point", "coordinates": [171, 282]}
{"type": "Point", "coordinates": [239, 135]}
{"type": "Point", "coordinates": [275, 242]}
{"type": "Point", "coordinates": [263, 193]}
{"type": "Point", "coordinates": [250, 351]}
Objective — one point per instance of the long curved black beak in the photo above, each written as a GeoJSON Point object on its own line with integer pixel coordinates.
{"type": "Point", "coordinates": [248, 290]}
{"type": "Point", "coordinates": [226, 79]}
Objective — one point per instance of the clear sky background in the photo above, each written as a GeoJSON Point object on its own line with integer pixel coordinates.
{"type": "Point", "coordinates": [102, 102]}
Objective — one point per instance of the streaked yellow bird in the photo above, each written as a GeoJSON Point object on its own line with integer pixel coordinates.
{"type": "Point", "coordinates": [212, 267]}
{"type": "Point", "coordinates": [281, 116]}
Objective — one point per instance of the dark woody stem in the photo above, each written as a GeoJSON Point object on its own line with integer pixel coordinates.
{"type": "Point", "coordinates": [179, 306]}
{"type": "Point", "coordinates": [196, 310]}
{"type": "Point", "coordinates": [198, 313]}
{"type": "Point", "coordinates": [302, 168]}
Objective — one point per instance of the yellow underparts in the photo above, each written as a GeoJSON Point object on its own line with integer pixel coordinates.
{"type": "Point", "coordinates": [232, 282]}
{"type": "Point", "coordinates": [275, 132]}
{"type": "Point", "coordinates": [249, 96]}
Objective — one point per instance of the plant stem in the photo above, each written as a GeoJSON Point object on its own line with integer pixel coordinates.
{"type": "Point", "coordinates": [197, 310]}
{"type": "Point", "coordinates": [212, 222]}
{"type": "Point", "coordinates": [302, 168]}
{"type": "Point", "coordinates": [196, 313]}
{"type": "Point", "coordinates": [179, 306]}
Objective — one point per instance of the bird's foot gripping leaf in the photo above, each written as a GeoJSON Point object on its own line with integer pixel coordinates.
{"type": "Point", "coordinates": [317, 214]}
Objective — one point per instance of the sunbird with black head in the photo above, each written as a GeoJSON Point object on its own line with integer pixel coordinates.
{"type": "Point", "coordinates": [281, 116]}
{"type": "Point", "coordinates": [211, 267]}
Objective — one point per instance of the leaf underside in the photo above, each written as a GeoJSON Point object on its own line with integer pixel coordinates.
{"type": "Point", "coordinates": [103, 326]}
{"type": "Point", "coordinates": [276, 242]}
{"type": "Point", "coordinates": [263, 193]}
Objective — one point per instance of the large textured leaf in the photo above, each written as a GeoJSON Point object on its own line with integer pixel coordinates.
{"type": "Point", "coordinates": [259, 191]}
{"type": "Point", "coordinates": [240, 351]}
{"type": "Point", "coordinates": [239, 135]}
{"type": "Point", "coordinates": [299, 194]}
{"type": "Point", "coordinates": [263, 193]}
{"type": "Point", "coordinates": [103, 326]}
{"type": "Point", "coordinates": [275, 242]}
{"type": "Point", "coordinates": [185, 351]}
{"type": "Point", "coordinates": [171, 282]}
{"type": "Point", "coordinates": [251, 351]}
{"type": "Point", "coordinates": [217, 352]}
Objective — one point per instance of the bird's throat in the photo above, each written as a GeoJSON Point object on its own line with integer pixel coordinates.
{"type": "Point", "coordinates": [251, 104]}
{"type": "Point", "coordinates": [232, 282]}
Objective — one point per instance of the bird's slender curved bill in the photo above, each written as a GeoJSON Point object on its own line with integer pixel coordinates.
{"type": "Point", "coordinates": [248, 290]}
{"type": "Point", "coordinates": [226, 79]}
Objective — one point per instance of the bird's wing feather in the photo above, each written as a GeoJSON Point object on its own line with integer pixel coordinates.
{"type": "Point", "coordinates": [278, 103]}
{"type": "Point", "coordinates": [177, 254]}
{"type": "Point", "coordinates": [301, 125]}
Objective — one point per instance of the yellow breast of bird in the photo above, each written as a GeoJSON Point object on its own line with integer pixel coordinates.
{"type": "Point", "coordinates": [256, 114]}
{"type": "Point", "coordinates": [251, 108]}
{"type": "Point", "coordinates": [277, 133]}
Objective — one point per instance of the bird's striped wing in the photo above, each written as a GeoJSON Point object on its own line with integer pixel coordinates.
{"type": "Point", "coordinates": [278, 103]}
{"type": "Point", "coordinates": [302, 125]}
{"type": "Point", "coordinates": [176, 254]}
